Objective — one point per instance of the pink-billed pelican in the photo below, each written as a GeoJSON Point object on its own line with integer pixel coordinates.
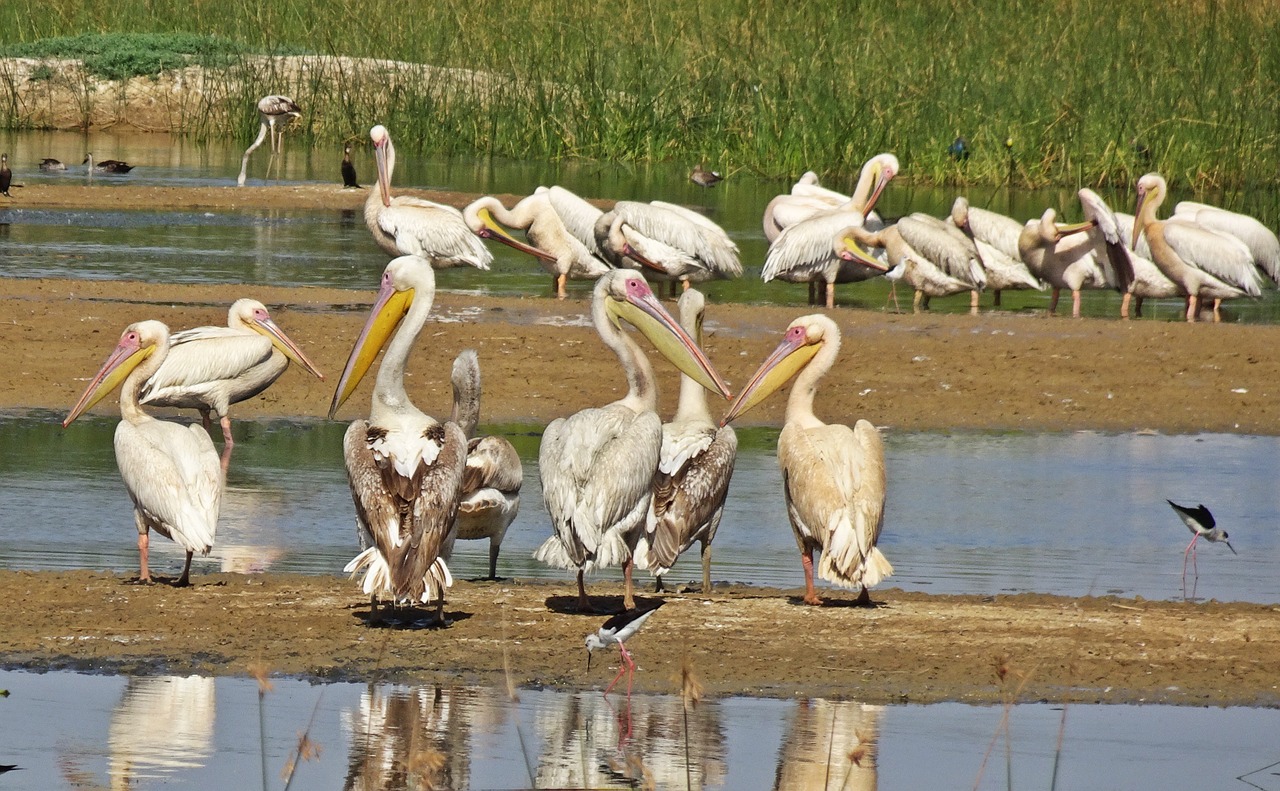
{"type": "Point", "coordinates": [559, 251]}
{"type": "Point", "coordinates": [405, 468]}
{"type": "Point", "coordinates": [211, 368]}
{"type": "Point", "coordinates": [597, 466]}
{"type": "Point", "coordinates": [833, 476]}
{"type": "Point", "coordinates": [814, 251]}
{"type": "Point", "coordinates": [1148, 281]}
{"type": "Point", "coordinates": [694, 468]}
{"type": "Point", "coordinates": [807, 198]}
{"type": "Point", "coordinates": [1064, 257]}
{"type": "Point", "coordinates": [1194, 257]}
{"type": "Point", "coordinates": [172, 471]}
{"type": "Point", "coordinates": [1262, 242]}
{"type": "Point", "coordinates": [490, 496]}
{"type": "Point", "coordinates": [273, 111]}
{"type": "Point", "coordinates": [412, 226]}
{"type": "Point", "coordinates": [675, 243]}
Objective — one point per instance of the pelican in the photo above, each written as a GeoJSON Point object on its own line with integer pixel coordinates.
{"type": "Point", "coordinates": [1196, 258]}
{"type": "Point", "coordinates": [1148, 281]}
{"type": "Point", "coordinates": [814, 250]}
{"type": "Point", "coordinates": [997, 239]}
{"type": "Point", "coordinates": [50, 165]}
{"type": "Point", "coordinates": [949, 245]}
{"type": "Point", "coordinates": [926, 279]}
{"type": "Point", "coordinates": [273, 111]}
{"type": "Point", "coordinates": [1108, 234]}
{"type": "Point", "coordinates": [405, 468]}
{"type": "Point", "coordinates": [559, 252]}
{"type": "Point", "coordinates": [1063, 256]}
{"type": "Point", "coordinates": [349, 180]}
{"type": "Point", "coordinates": [172, 471]}
{"type": "Point", "coordinates": [1262, 242]}
{"type": "Point", "coordinates": [694, 468]}
{"type": "Point", "coordinates": [106, 165]}
{"type": "Point", "coordinates": [675, 242]}
{"type": "Point", "coordinates": [808, 198]}
{"type": "Point", "coordinates": [578, 216]}
{"type": "Point", "coordinates": [832, 476]}
{"type": "Point", "coordinates": [211, 368]}
{"type": "Point", "coordinates": [490, 496]}
{"type": "Point", "coordinates": [412, 226]}
{"type": "Point", "coordinates": [597, 466]}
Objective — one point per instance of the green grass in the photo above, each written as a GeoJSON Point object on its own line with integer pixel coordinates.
{"type": "Point", "coordinates": [1090, 92]}
{"type": "Point", "coordinates": [120, 56]}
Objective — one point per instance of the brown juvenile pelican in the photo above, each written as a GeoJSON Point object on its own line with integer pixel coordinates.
{"type": "Point", "coordinates": [597, 466]}
{"type": "Point", "coordinates": [273, 111]}
{"type": "Point", "coordinates": [172, 471]}
{"type": "Point", "coordinates": [705, 178]}
{"type": "Point", "coordinates": [106, 165]}
{"type": "Point", "coordinates": [349, 180]}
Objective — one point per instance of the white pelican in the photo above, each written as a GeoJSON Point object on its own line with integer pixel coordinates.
{"type": "Point", "coordinates": [1262, 242]}
{"type": "Point", "coordinates": [106, 165]}
{"type": "Point", "coordinates": [597, 466]}
{"type": "Point", "coordinates": [1148, 281]}
{"type": "Point", "coordinates": [948, 245]}
{"type": "Point", "coordinates": [832, 475]}
{"type": "Point", "coordinates": [926, 279]}
{"type": "Point", "coordinates": [1108, 234]}
{"type": "Point", "coordinates": [694, 468]}
{"type": "Point", "coordinates": [490, 496]}
{"type": "Point", "coordinates": [172, 471]}
{"type": "Point", "coordinates": [405, 468]}
{"type": "Point", "coordinates": [675, 242]}
{"type": "Point", "coordinates": [559, 251]}
{"type": "Point", "coordinates": [997, 239]}
{"type": "Point", "coordinates": [412, 226]}
{"type": "Point", "coordinates": [807, 198]}
{"type": "Point", "coordinates": [1196, 258]}
{"type": "Point", "coordinates": [578, 216]}
{"type": "Point", "coordinates": [814, 251]}
{"type": "Point", "coordinates": [1063, 256]}
{"type": "Point", "coordinates": [211, 368]}
{"type": "Point", "coordinates": [273, 111]}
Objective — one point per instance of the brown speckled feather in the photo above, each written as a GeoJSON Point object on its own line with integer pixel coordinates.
{"type": "Point", "coordinates": [687, 505]}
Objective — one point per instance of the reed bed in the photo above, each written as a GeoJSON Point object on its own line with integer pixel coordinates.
{"type": "Point", "coordinates": [1080, 92]}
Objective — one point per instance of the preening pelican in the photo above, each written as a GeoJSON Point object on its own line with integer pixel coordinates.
{"type": "Point", "coordinates": [1108, 235]}
{"type": "Point", "coordinates": [412, 226]}
{"type": "Point", "coordinates": [1261, 240]}
{"type": "Point", "coordinates": [672, 241]}
{"type": "Point", "coordinates": [1063, 256]}
{"type": "Point", "coordinates": [948, 245]}
{"type": "Point", "coordinates": [211, 368]}
{"type": "Point", "coordinates": [273, 111]}
{"type": "Point", "coordinates": [807, 198]}
{"type": "Point", "coordinates": [106, 165]}
{"type": "Point", "coordinates": [832, 476]}
{"type": "Point", "coordinates": [490, 496]}
{"type": "Point", "coordinates": [1196, 258]}
{"type": "Point", "coordinates": [172, 471]}
{"type": "Point", "coordinates": [405, 468]}
{"type": "Point", "coordinates": [694, 468]}
{"type": "Point", "coordinates": [814, 251]}
{"type": "Point", "coordinates": [578, 216]}
{"type": "Point", "coordinates": [559, 251]}
{"type": "Point", "coordinates": [597, 466]}
{"type": "Point", "coordinates": [1148, 281]}
{"type": "Point", "coordinates": [997, 239]}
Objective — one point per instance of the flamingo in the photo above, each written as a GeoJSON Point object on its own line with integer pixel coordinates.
{"type": "Point", "coordinates": [273, 111]}
{"type": "Point", "coordinates": [211, 368]}
{"type": "Point", "coordinates": [412, 226]}
{"type": "Point", "coordinates": [597, 466]}
{"type": "Point", "coordinates": [405, 468]}
{"type": "Point", "coordinates": [172, 471]}
{"type": "Point", "coordinates": [814, 250]}
{"type": "Point", "coordinates": [694, 468]}
{"type": "Point", "coordinates": [676, 243]}
{"type": "Point", "coordinates": [833, 476]}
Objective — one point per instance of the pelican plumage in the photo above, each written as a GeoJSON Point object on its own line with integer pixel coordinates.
{"type": "Point", "coordinates": [405, 468]}
{"type": "Point", "coordinates": [1262, 242]}
{"type": "Point", "coordinates": [927, 279]}
{"type": "Point", "coordinates": [1148, 281]}
{"type": "Point", "coordinates": [996, 236]}
{"type": "Point", "coordinates": [676, 243]}
{"type": "Point", "coordinates": [1198, 259]}
{"type": "Point", "coordinates": [1062, 256]}
{"type": "Point", "coordinates": [559, 252]}
{"type": "Point", "coordinates": [490, 496]}
{"type": "Point", "coordinates": [273, 111]}
{"type": "Point", "coordinates": [949, 245]}
{"type": "Point", "coordinates": [211, 368]}
{"type": "Point", "coordinates": [814, 251]}
{"type": "Point", "coordinates": [808, 198]}
{"type": "Point", "coordinates": [833, 476]}
{"type": "Point", "coordinates": [172, 471]}
{"type": "Point", "coordinates": [1108, 234]}
{"type": "Point", "coordinates": [405, 225]}
{"type": "Point", "coordinates": [597, 465]}
{"type": "Point", "coordinates": [106, 165]}
{"type": "Point", "coordinates": [578, 215]}
{"type": "Point", "coordinates": [695, 464]}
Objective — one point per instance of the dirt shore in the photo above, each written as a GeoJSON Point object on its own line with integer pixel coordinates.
{"type": "Point", "coordinates": [989, 372]}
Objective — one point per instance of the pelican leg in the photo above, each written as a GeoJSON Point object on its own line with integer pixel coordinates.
{"type": "Point", "coordinates": [1137, 307]}
{"type": "Point", "coordinates": [1053, 302]}
{"type": "Point", "coordinates": [1075, 303]}
{"type": "Point", "coordinates": [831, 295]}
{"type": "Point", "coordinates": [1124, 305]}
{"type": "Point", "coordinates": [917, 303]}
{"type": "Point", "coordinates": [973, 302]}
{"type": "Point", "coordinates": [1217, 311]}
{"type": "Point", "coordinates": [227, 442]}
{"type": "Point", "coordinates": [864, 598]}
{"type": "Point", "coordinates": [559, 285]}
{"type": "Point", "coordinates": [810, 595]}
{"type": "Point", "coordinates": [1193, 306]}
{"type": "Point", "coordinates": [584, 604]}
{"type": "Point", "coordinates": [144, 542]}
{"type": "Point", "coordinates": [494, 546]}
{"type": "Point", "coordinates": [706, 569]}
{"type": "Point", "coordinates": [995, 298]}
{"type": "Point", "coordinates": [813, 292]}
{"type": "Point", "coordinates": [629, 592]}
{"type": "Point", "coordinates": [185, 579]}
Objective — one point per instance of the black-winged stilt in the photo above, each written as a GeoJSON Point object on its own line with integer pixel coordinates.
{"type": "Point", "coordinates": [617, 629]}
{"type": "Point", "coordinates": [1201, 523]}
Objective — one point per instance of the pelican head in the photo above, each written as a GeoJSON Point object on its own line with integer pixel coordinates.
{"type": "Point", "coordinates": [847, 248]}
{"type": "Point", "coordinates": [253, 314]}
{"type": "Point", "coordinates": [401, 279]}
{"type": "Point", "coordinates": [627, 297]}
{"type": "Point", "coordinates": [384, 154]}
{"type": "Point", "coordinates": [1151, 190]}
{"type": "Point", "coordinates": [882, 168]}
{"type": "Point", "coordinates": [803, 339]}
{"type": "Point", "coordinates": [479, 218]}
{"type": "Point", "coordinates": [139, 341]}
{"type": "Point", "coordinates": [960, 215]}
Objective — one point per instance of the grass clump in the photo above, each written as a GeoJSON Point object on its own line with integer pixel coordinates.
{"type": "Point", "coordinates": [119, 56]}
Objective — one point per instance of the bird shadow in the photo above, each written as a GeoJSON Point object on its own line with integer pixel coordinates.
{"type": "Point", "coordinates": [854, 603]}
{"type": "Point", "coordinates": [408, 618]}
{"type": "Point", "coordinates": [602, 605]}
{"type": "Point", "coordinates": [172, 582]}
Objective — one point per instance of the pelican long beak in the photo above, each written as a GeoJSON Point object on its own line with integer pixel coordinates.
{"type": "Point", "coordinates": [1138, 225]}
{"type": "Point", "coordinates": [883, 176]}
{"type": "Point", "coordinates": [286, 345]}
{"type": "Point", "coordinates": [642, 310]}
{"type": "Point", "coordinates": [852, 252]}
{"type": "Point", "coordinates": [1068, 229]}
{"type": "Point", "coordinates": [384, 178]}
{"type": "Point", "coordinates": [793, 354]}
{"type": "Point", "coordinates": [634, 255]}
{"type": "Point", "coordinates": [493, 230]}
{"type": "Point", "coordinates": [388, 311]}
{"type": "Point", "coordinates": [127, 355]}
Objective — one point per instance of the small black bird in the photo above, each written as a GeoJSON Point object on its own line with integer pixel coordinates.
{"type": "Point", "coordinates": [705, 178]}
{"type": "Point", "coordinates": [6, 176]}
{"type": "Point", "coordinates": [348, 170]}
{"type": "Point", "coordinates": [1200, 522]}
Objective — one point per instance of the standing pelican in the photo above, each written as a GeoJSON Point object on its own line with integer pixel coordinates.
{"type": "Point", "coordinates": [1194, 257]}
{"type": "Point", "coordinates": [405, 468]}
{"type": "Point", "coordinates": [597, 466]}
{"type": "Point", "coordinates": [997, 239]}
{"type": "Point", "coordinates": [490, 496]}
{"type": "Point", "coordinates": [349, 180]}
{"type": "Point", "coordinates": [273, 111]}
{"type": "Point", "coordinates": [412, 226]}
{"type": "Point", "coordinates": [1262, 242]}
{"type": "Point", "coordinates": [814, 251]}
{"type": "Point", "coordinates": [694, 468]}
{"type": "Point", "coordinates": [832, 476]}
{"type": "Point", "coordinates": [949, 245]}
{"type": "Point", "coordinates": [1064, 257]}
{"type": "Point", "coordinates": [807, 198]}
{"type": "Point", "coordinates": [1108, 234]}
{"type": "Point", "coordinates": [578, 216]}
{"type": "Point", "coordinates": [172, 471]}
{"type": "Point", "coordinates": [211, 368]}
{"type": "Point", "coordinates": [676, 243]}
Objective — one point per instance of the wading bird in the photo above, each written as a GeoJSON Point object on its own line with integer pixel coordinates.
{"type": "Point", "coordinates": [1202, 525]}
{"type": "Point", "coordinates": [1108, 234]}
{"type": "Point", "coordinates": [171, 471]}
{"type": "Point", "coordinates": [694, 468]}
{"type": "Point", "coordinates": [412, 226]}
{"type": "Point", "coordinates": [106, 165]}
{"type": "Point", "coordinates": [670, 241]}
{"type": "Point", "coordinates": [808, 198]}
{"type": "Point", "coordinates": [405, 468]}
{"type": "Point", "coordinates": [211, 368]}
{"type": "Point", "coordinates": [618, 629]}
{"type": "Point", "coordinates": [597, 466]}
{"type": "Point", "coordinates": [997, 239]}
{"type": "Point", "coordinates": [1262, 242]}
{"type": "Point", "coordinates": [273, 111]}
{"type": "Point", "coordinates": [349, 180]}
{"type": "Point", "coordinates": [833, 476]}
{"type": "Point", "coordinates": [814, 251]}
{"type": "Point", "coordinates": [1063, 256]}
{"type": "Point", "coordinates": [949, 245]}
{"type": "Point", "coordinates": [559, 252]}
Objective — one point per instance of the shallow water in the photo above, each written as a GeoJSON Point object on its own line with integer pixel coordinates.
{"type": "Point", "coordinates": [976, 513]}
{"type": "Point", "coordinates": [197, 733]}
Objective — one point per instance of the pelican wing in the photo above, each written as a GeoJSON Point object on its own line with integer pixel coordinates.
{"type": "Point", "coordinates": [201, 358]}
{"type": "Point", "coordinates": [807, 248]}
{"type": "Point", "coordinates": [492, 463]}
{"type": "Point", "coordinates": [579, 216]}
{"type": "Point", "coordinates": [807, 186]}
{"type": "Point", "coordinates": [434, 231]}
{"type": "Point", "coordinates": [718, 250]}
{"type": "Point", "coordinates": [688, 501]}
{"type": "Point", "coordinates": [174, 477]}
{"type": "Point", "coordinates": [1110, 249]}
{"type": "Point", "coordinates": [1221, 255]}
{"type": "Point", "coordinates": [1262, 242]}
{"type": "Point", "coordinates": [997, 230]}
{"type": "Point", "coordinates": [1005, 273]}
{"type": "Point", "coordinates": [945, 245]}
{"type": "Point", "coordinates": [685, 231]}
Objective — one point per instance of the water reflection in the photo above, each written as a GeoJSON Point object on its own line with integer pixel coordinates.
{"type": "Point", "coordinates": [830, 744]}
{"type": "Point", "coordinates": [162, 725]}
{"type": "Point", "coordinates": [403, 737]}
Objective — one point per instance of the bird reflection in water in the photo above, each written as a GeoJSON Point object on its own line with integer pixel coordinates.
{"type": "Point", "coordinates": [830, 744]}
{"type": "Point", "coordinates": [414, 737]}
